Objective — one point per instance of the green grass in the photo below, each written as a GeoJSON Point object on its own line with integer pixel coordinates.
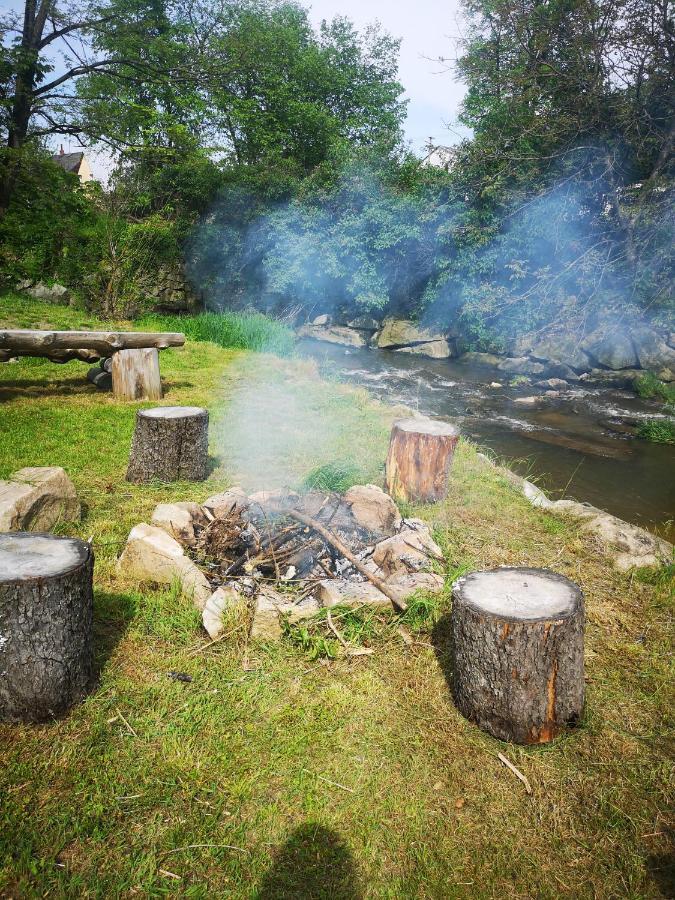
{"type": "Point", "coordinates": [649, 387]}
{"type": "Point", "coordinates": [240, 331]}
{"type": "Point", "coordinates": [275, 774]}
{"type": "Point", "coordinates": [658, 431]}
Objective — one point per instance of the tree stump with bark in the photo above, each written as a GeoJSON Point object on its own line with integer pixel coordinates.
{"type": "Point", "coordinates": [46, 608]}
{"type": "Point", "coordinates": [170, 443]}
{"type": "Point", "coordinates": [135, 374]}
{"type": "Point", "coordinates": [518, 642]}
{"type": "Point", "coordinates": [419, 459]}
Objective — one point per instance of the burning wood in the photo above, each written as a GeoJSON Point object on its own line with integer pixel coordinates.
{"type": "Point", "coordinates": [289, 555]}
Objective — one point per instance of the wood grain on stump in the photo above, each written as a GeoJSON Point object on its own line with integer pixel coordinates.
{"type": "Point", "coordinates": [518, 642]}
{"type": "Point", "coordinates": [46, 607]}
{"type": "Point", "coordinates": [419, 459]}
{"type": "Point", "coordinates": [170, 443]}
{"type": "Point", "coordinates": [135, 375]}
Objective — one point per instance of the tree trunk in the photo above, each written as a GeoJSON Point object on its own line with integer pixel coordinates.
{"type": "Point", "coordinates": [419, 459]}
{"type": "Point", "coordinates": [135, 375]}
{"type": "Point", "coordinates": [170, 443]}
{"type": "Point", "coordinates": [26, 342]}
{"type": "Point", "coordinates": [518, 642]}
{"type": "Point", "coordinates": [46, 608]}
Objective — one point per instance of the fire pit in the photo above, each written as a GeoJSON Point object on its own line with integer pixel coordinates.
{"type": "Point", "coordinates": [286, 556]}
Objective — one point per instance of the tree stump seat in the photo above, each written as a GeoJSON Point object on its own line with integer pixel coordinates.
{"type": "Point", "coordinates": [170, 443]}
{"type": "Point", "coordinates": [46, 611]}
{"type": "Point", "coordinates": [518, 643]}
{"type": "Point", "coordinates": [419, 459]}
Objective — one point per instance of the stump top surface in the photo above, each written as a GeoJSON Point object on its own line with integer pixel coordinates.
{"type": "Point", "coordinates": [27, 555]}
{"type": "Point", "coordinates": [172, 412]}
{"type": "Point", "coordinates": [519, 594]}
{"type": "Point", "coordinates": [433, 427]}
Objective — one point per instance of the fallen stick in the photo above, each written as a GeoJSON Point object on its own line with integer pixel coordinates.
{"type": "Point", "coordinates": [335, 542]}
{"type": "Point", "coordinates": [516, 772]}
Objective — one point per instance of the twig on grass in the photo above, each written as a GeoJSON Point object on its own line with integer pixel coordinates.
{"type": "Point", "coordinates": [199, 846]}
{"type": "Point", "coordinates": [509, 765]}
{"type": "Point", "coordinates": [328, 781]}
{"type": "Point", "coordinates": [126, 723]}
{"type": "Point", "coordinates": [334, 629]}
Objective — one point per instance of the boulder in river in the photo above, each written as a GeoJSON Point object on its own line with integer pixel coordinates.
{"type": "Point", "coordinates": [521, 365]}
{"type": "Point", "coordinates": [334, 334]}
{"type": "Point", "coordinates": [432, 349]}
{"type": "Point", "coordinates": [611, 349]}
{"type": "Point", "coordinates": [480, 359]}
{"type": "Point", "coordinates": [560, 347]}
{"type": "Point", "coordinates": [654, 353]}
{"type": "Point", "coordinates": [398, 333]}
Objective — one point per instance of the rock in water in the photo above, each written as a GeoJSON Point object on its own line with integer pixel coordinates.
{"type": "Point", "coordinates": [36, 498]}
{"type": "Point", "coordinates": [397, 333]}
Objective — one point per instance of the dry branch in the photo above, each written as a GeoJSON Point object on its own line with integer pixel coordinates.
{"type": "Point", "coordinates": [335, 542]}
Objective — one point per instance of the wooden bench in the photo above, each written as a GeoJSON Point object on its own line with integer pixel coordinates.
{"type": "Point", "coordinates": [133, 355]}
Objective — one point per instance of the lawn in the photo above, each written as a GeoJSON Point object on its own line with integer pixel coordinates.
{"type": "Point", "coordinates": [274, 775]}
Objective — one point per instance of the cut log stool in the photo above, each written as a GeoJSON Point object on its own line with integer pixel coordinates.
{"type": "Point", "coordinates": [170, 443]}
{"type": "Point", "coordinates": [419, 459]}
{"type": "Point", "coordinates": [46, 605]}
{"type": "Point", "coordinates": [135, 374]}
{"type": "Point", "coordinates": [518, 641]}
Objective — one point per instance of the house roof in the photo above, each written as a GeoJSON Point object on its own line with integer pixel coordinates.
{"type": "Point", "coordinates": [69, 161]}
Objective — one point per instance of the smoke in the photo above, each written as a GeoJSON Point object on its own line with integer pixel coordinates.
{"type": "Point", "coordinates": [577, 251]}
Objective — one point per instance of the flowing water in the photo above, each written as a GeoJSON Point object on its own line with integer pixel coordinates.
{"type": "Point", "coordinates": [575, 445]}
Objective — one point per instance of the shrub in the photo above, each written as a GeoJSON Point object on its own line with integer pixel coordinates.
{"type": "Point", "coordinates": [658, 431]}
{"type": "Point", "coordinates": [233, 330]}
{"type": "Point", "coordinates": [649, 387]}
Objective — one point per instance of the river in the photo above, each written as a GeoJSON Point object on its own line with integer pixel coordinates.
{"type": "Point", "coordinates": [573, 445]}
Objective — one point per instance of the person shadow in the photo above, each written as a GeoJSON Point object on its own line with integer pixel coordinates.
{"type": "Point", "coordinates": [313, 864]}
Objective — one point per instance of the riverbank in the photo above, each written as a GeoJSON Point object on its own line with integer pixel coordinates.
{"type": "Point", "coordinates": [267, 760]}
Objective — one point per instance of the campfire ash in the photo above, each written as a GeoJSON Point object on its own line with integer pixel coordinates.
{"type": "Point", "coordinates": [286, 555]}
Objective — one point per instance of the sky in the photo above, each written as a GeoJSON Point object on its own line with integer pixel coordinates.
{"type": "Point", "coordinates": [429, 29]}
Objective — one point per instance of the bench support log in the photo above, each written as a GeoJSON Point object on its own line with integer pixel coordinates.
{"type": "Point", "coordinates": [135, 375]}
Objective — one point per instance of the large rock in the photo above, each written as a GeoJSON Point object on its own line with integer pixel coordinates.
{"type": "Point", "coordinates": [433, 349]}
{"type": "Point", "coordinates": [334, 334]}
{"type": "Point", "coordinates": [36, 498]}
{"type": "Point", "coordinates": [373, 509]}
{"type": "Point", "coordinates": [55, 293]}
{"type": "Point", "coordinates": [408, 551]}
{"type": "Point", "coordinates": [623, 378]}
{"type": "Point", "coordinates": [653, 353]}
{"type": "Point", "coordinates": [179, 520]}
{"type": "Point", "coordinates": [561, 347]}
{"type": "Point", "coordinates": [611, 349]}
{"type": "Point", "coordinates": [220, 506]}
{"type": "Point", "coordinates": [151, 555]}
{"type": "Point", "coordinates": [340, 592]}
{"type": "Point", "coordinates": [480, 359]}
{"type": "Point", "coordinates": [397, 333]}
{"type": "Point", "coordinates": [364, 323]}
{"type": "Point", "coordinates": [521, 365]}
{"type": "Point", "coordinates": [216, 609]}
{"type": "Point", "coordinates": [271, 607]}
{"type": "Point", "coordinates": [405, 586]}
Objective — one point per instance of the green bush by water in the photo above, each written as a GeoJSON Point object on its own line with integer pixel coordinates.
{"type": "Point", "coordinates": [233, 330]}
{"type": "Point", "coordinates": [649, 387]}
{"type": "Point", "coordinates": [658, 431]}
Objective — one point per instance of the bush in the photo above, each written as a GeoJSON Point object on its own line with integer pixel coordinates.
{"type": "Point", "coordinates": [649, 387]}
{"type": "Point", "coordinates": [658, 431]}
{"type": "Point", "coordinates": [237, 331]}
